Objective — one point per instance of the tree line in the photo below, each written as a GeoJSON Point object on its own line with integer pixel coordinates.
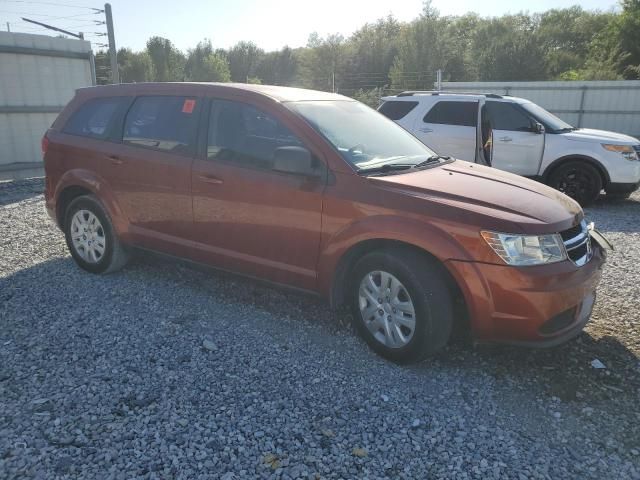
{"type": "Point", "coordinates": [389, 56]}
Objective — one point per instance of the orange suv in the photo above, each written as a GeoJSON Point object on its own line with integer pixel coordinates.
{"type": "Point", "coordinates": [318, 192]}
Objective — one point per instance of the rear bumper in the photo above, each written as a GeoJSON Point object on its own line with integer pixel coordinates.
{"type": "Point", "coordinates": [49, 199]}
{"type": "Point", "coordinates": [533, 306]}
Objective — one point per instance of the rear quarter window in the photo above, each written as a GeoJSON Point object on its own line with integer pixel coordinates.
{"type": "Point", "coordinates": [166, 123]}
{"type": "Point", "coordinates": [396, 109]}
{"type": "Point", "coordinates": [95, 117]}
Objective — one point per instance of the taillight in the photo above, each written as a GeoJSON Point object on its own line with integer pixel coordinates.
{"type": "Point", "coordinates": [44, 144]}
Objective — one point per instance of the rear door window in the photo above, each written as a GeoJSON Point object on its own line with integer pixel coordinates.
{"type": "Point", "coordinates": [453, 113]}
{"type": "Point", "coordinates": [396, 109]}
{"type": "Point", "coordinates": [164, 123]}
{"type": "Point", "coordinates": [507, 116]}
{"type": "Point", "coordinates": [95, 117]}
{"type": "Point", "coordinates": [246, 136]}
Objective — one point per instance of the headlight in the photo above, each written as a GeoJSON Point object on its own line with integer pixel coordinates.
{"type": "Point", "coordinates": [525, 250]}
{"type": "Point", "coordinates": [626, 151]}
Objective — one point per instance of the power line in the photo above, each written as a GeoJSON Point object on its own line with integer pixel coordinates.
{"type": "Point", "coordinates": [51, 3]}
{"type": "Point", "coordinates": [52, 17]}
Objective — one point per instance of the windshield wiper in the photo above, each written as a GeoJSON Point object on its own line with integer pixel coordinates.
{"type": "Point", "coordinates": [387, 167]}
{"type": "Point", "coordinates": [432, 159]}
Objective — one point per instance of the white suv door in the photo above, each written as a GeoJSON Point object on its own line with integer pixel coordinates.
{"type": "Point", "coordinates": [517, 145]}
{"type": "Point", "coordinates": [449, 128]}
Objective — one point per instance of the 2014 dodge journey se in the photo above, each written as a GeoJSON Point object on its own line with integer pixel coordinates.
{"type": "Point", "coordinates": [319, 192]}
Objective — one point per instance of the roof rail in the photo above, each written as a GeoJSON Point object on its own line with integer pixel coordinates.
{"type": "Point", "coordinates": [410, 93]}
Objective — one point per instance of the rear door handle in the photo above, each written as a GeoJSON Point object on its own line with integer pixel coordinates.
{"type": "Point", "coordinates": [115, 160]}
{"type": "Point", "coordinates": [210, 179]}
{"type": "Point", "coordinates": [505, 139]}
{"type": "Point", "coordinates": [426, 130]}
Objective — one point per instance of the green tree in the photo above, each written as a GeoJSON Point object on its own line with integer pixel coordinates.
{"type": "Point", "coordinates": [205, 65]}
{"type": "Point", "coordinates": [243, 59]}
{"type": "Point", "coordinates": [507, 48]}
{"type": "Point", "coordinates": [370, 53]}
{"type": "Point", "coordinates": [566, 36]}
{"type": "Point", "coordinates": [423, 48]}
{"type": "Point", "coordinates": [168, 62]}
{"type": "Point", "coordinates": [626, 28]}
{"type": "Point", "coordinates": [134, 66]}
{"type": "Point", "coordinates": [278, 68]}
{"type": "Point", "coordinates": [323, 61]}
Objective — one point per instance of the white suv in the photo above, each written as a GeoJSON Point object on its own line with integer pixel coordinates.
{"type": "Point", "coordinates": [518, 136]}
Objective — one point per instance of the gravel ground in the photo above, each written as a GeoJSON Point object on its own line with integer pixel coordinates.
{"type": "Point", "coordinates": [166, 371]}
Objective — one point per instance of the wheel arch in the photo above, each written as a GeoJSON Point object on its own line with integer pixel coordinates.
{"type": "Point", "coordinates": [65, 197]}
{"type": "Point", "coordinates": [604, 174]}
{"type": "Point", "coordinates": [80, 182]}
{"type": "Point", "coordinates": [346, 262]}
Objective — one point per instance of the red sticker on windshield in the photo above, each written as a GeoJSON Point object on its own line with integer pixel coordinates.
{"type": "Point", "coordinates": [188, 106]}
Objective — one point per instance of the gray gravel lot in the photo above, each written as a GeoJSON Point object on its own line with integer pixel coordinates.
{"type": "Point", "coordinates": [166, 371]}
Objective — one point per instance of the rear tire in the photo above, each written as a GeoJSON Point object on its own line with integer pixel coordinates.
{"type": "Point", "coordinates": [415, 318]}
{"type": "Point", "coordinates": [91, 238]}
{"type": "Point", "coordinates": [579, 180]}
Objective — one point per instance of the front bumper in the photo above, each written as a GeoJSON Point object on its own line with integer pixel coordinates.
{"type": "Point", "coordinates": [535, 306]}
{"type": "Point", "coordinates": [621, 171]}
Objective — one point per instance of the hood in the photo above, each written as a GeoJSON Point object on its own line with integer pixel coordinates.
{"type": "Point", "coordinates": [600, 136]}
{"type": "Point", "coordinates": [497, 196]}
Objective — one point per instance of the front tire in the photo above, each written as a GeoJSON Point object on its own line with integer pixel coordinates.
{"type": "Point", "coordinates": [91, 238]}
{"type": "Point", "coordinates": [402, 304]}
{"type": "Point", "coordinates": [579, 180]}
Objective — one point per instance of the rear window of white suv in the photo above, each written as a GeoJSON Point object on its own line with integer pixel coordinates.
{"type": "Point", "coordinates": [464, 114]}
{"type": "Point", "coordinates": [396, 109]}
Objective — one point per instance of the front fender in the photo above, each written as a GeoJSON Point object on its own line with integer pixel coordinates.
{"type": "Point", "coordinates": [97, 185]}
{"type": "Point", "coordinates": [426, 236]}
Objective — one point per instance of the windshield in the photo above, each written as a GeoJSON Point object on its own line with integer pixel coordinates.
{"type": "Point", "coordinates": [549, 120]}
{"type": "Point", "coordinates": [364, 137]}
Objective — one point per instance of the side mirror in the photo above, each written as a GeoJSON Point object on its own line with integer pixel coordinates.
{"type": "Point", "coordinates": [294, 160]}
{"type": "Point", "coordinates": [538, 128]}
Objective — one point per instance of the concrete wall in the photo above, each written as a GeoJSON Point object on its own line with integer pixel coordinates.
{"type": "Point", "coordinates": [38, 76]}
{"type": "Point", "coordinates": [606, 105]}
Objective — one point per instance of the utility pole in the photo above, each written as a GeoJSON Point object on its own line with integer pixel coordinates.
{"type": "Point", "coordinates": [115, 78]}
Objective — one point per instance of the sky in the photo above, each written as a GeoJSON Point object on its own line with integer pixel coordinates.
{"type": "Point", "coordinates": [271, 24]}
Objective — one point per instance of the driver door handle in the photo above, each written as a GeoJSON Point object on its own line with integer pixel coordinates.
{"type": "Point", "coordinates": [210, 179]}
{"type": "Point", "coordinates": [115, 160]}
{"type": "Point", "coordinates": [426, 129]}
{"type": "Point", "coordinates": [505, 139]}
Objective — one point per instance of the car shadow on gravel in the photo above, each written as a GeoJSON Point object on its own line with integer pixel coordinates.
{"type": "Point", "coordinates": [565, 372]}
{"type": "Point", "coordinates": [615, 215]}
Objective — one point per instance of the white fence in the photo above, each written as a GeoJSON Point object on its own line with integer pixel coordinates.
{"type": "Point", "coordinates": [606, 105]}
{"type": "Point", "coordinates": [38, 76]}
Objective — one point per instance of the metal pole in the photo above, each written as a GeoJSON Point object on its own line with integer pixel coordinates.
{"type": "Point", "coordinates": [50, 27]}
{"type": "Point", "coordinates": [115, 77]}
{"type": "Point", "coordinates": [581, 109]}
{"type": "Point", "coordinates": [92, 67]}
{"type": "Point", "coordinates": [8, 28]}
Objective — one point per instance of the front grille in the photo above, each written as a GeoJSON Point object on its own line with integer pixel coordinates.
{"type": "Point", "coordinates": [577, 243]}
